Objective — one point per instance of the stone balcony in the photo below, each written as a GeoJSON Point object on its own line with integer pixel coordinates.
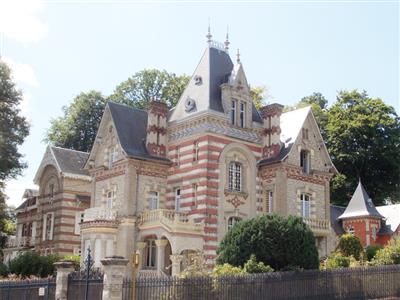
{"type": "Point", "coordinates": [22, 242]}
{"type": "Point", "coordinates": [320, 227]}
{"type": "Point", "coordinates": [171, 220]}
{"type": "Point", "coordinates": [99, 217]}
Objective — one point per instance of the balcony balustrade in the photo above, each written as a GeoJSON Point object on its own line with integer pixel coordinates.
{"type": "Point", "coordinates": [318, 226]}
{"type": "Point", "coordinates": [99, 214]}
{"type": "Point", "coordinates": [21, 242]}
{"type": "Point", "coordinates": [174, 221]}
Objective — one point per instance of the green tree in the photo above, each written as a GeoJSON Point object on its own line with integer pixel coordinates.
{"type": "Point", "coordinates": [350, 245]}
{"type": "Point", "coordinates": [13, 127]}
{"type": "Point", "coordinates": [259, 95]}
{"type": "Point", "coordinates": [279, 242]}
{"type": "Point", "coordinates": [77, 128]}
{"type": "Point", "coordinates": [363, 139]}
{"type": "Point", "coordinates": [144, 85]}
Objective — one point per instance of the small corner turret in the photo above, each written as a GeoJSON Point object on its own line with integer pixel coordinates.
{"type": "Point", "coordinates": [272, 131]}
{"type": "Point", "coordinates": [156, 141]}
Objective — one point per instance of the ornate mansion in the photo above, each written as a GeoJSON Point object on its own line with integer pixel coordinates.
{"type": "Point", "coordinates": [167, 182]}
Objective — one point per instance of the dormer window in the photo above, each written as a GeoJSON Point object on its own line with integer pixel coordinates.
{"type": "Point", "coordinates": [305, 161]}
{"type": "Point", "coordinates": [232, 114]}
{"type": "Point", "coordinates": [235, 177]}
{"type": "Point", "coordinates": [242, 114]}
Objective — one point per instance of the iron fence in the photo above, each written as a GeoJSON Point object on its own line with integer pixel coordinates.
{"type": "Point", "coordinates": [37, 289]}
{"type": "Point", "coordinates": [355, 283]}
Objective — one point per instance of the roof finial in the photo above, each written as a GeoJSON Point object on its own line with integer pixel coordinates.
{"type": "Point", "coordinates": [238, 56]}
{"type": "Point", "coordinates": [227, 39]}
{"type": "Point", "coordinates": [209, 36]}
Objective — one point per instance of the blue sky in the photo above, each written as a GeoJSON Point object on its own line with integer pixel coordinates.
{"type": "Point", "coordinates": [59, 48]}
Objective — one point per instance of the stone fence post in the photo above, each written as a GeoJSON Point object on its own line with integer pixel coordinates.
{"type": "Point", "coordinates": [63, 269]}
{"type": "Point", "coordinates": [114, 272]}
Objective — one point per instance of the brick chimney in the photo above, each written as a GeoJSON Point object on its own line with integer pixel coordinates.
{"type": "Point", "coordinates": [156, 141]}
{"type": "Point", "coordinates": [271, 115]}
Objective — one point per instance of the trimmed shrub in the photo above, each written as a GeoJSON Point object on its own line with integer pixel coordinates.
{"type": "Point", "coordinates": [389, 255]}
{"type": "Point", "coordinates": [252, 266]}
{"type": "Point", "coordinates": [337, 261]}
{"type": "Point", "coordinates": [75, 259]}
{"type": "Point", "coordinates": [226, 270]}
{"type": "Point", "coordinates": [350, 245]}
{"type": "Point", "coordinates": [276, 241]}
{"type": "Point", "coordinates": [31, 263]}
{"type": "Point", "coordinates": [370, 251]}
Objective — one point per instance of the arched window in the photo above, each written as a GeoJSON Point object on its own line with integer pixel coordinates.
{"type": "Point", "coordinates": [150, 254]}
{"type": "Point", "coordinates": [235, 177]}
{"type": "Point", "coordinates": [232, 221]}
{"type": "Point", "coordinates": [350, 230]}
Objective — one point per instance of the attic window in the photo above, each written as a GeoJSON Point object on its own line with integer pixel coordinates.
{"type": "Point", "coordinates": [305, 161]}
{"type": "Point", "coordinates": [110, 128]}
{"type": "Point", "coordinates": [232, 113]}
{"type": "Point", "coordinates": [304, 133]}
{"type": "Point", "coordinates": [198, 80]}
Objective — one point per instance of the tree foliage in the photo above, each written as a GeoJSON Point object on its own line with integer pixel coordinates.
{"type": "Point", "coordinates": [363, 137]}
{"type": "Point", "coordinates": [279, 242]}
{"type": "Point", "coordinates": [259, 95]}
{"type": "Point", "coordinates": [77, 128]}
{"type": "Point", "coordinates": [144, 85]}
{"type": "Point", "coordinates": [350, 245]}
{"type": "Point", "coordinates": [13, 127]}
{"type": "Point", "coordinates": [389, 255]}
{"type": "Point", "coordinates": [31, 263]}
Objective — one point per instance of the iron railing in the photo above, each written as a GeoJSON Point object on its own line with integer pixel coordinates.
{"type": "Point", "coordinates": [43, 289]}
{"type": "Point", "coordinates": [354, 283]}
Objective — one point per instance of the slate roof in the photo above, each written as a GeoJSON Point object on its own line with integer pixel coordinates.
{"type": "Point", "coordinates": [291, 124]}
{"type": "Point", "coordinates": [70, 161]}
{"type": "Point", "coordinates": [360, 205]}
{"type": "Point", "coordinates": [30, 199]}
{"type": "Point", "coordinates": [336, 224]}
{"type": "Point", "coordinates": [131, 128]}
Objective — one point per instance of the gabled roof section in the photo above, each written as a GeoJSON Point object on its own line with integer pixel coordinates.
{"type": "Point", "coordinates": [131, 128]}
{"type": "Point", "coordinates": [291, 124]}
{"type": "Point", "coordinates": [66, 161]}
{"type": "Point", "coordinates": [360, 205]}
{"type": "Point", "coordinates": [336, 211]}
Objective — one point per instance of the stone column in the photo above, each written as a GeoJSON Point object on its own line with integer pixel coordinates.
{"type": "Point", "coordinates": [114, 271]}
{"type": "Point", "coordinates": [160, 254]}
{"type": "Point", "coordinates": [140, 247]}
{"type": "Point", "coordinates": [63, 269]}
{"type": "Point", "coordinates": [176, 263]}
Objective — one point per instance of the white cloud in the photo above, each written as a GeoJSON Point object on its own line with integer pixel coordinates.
{"type": "Point", "coordinates": [15, 189]}
{"type": "Point", "coordinates": [22, 73]}
{"type": "Point", "coordinates": [19, 20]}
{"type": "Point", "coordinates": [24, 104]}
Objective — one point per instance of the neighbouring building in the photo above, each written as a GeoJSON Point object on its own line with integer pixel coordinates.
{"type": "Point", "coordinates": [48, 219]}
{"type": "Point", "coordinates": [373, 225]}
{"type": "Point", "coordinates": [166, 183]}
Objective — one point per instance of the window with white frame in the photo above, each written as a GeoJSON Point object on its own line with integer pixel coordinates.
{"type": "Point", "coordinates": [153, 200]}
{"type": "Point", "coordinates": [305, 205]}
{"type": "Point", "coordinates": [242, 114]}
{"type": "Point", "coordinates": [269, 201]}
{"type": "Point", "coordinates": [305, 161]}
{"type": "Point", "coordinates": [110, 195]}
{"type": "Point", "coordinates": [232, 221]}
{"type": "Point", "coordinates": [235, 177]}
{"type": "Point", "coordinates": [79, 217]}
{"type": "Point", "coordinates": [112, 156]}
{"type": "Point", "coordinates": [177, 199]}
{"type": "Point", "coordinates": [48, 224]}
{"type": "Point", "coordinates": [232, 113]}
{"type": "Point", "coordinates": [150, 254]}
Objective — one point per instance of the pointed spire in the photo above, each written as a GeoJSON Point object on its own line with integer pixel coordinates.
{"type": "Point", "coordinates": [209, 36]}
{"type": "Point", "coordinates": [238, 56]}
{"type": "Point", "coordinates": [227, 40]}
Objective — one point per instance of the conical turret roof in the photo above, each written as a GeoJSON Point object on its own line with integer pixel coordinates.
{"type": "Point", "coordinates": [360, 205]}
